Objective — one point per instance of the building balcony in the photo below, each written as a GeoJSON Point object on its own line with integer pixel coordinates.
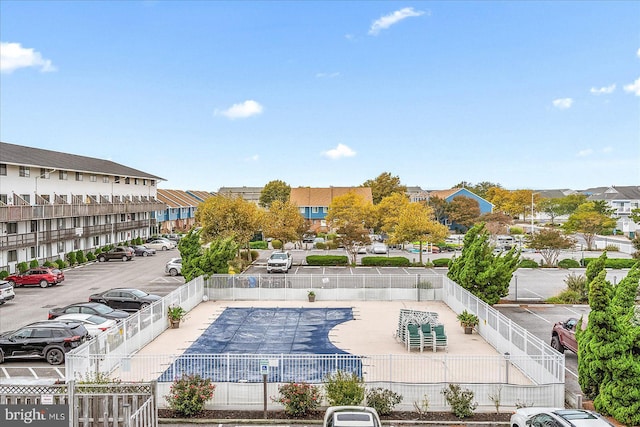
{"type": "Point", "coordinates": [16, 213]}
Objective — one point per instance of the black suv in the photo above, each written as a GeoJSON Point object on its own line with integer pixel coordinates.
{"type": "Point", "coordinates": [47, 339]}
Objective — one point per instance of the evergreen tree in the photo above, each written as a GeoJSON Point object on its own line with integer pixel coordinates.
{"type": "Point", "coordinates": [190, 251]}
{"type": "Point", "coordinates": [595, 267]}
{"type": "Point", "coordinates": [478, 270]}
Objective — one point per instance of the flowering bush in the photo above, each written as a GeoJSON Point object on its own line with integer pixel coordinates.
{"type": "Point", "coordinates": [298, 398]}
{"type": "Point", "coordinates": [189, 394]}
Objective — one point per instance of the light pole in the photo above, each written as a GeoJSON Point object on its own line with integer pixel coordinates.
{"type": "Point", "coordinates": [532, 194]}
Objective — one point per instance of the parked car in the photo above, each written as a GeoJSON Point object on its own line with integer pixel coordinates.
{"type": "Point", "coordinates": [173, 266]}
{"type": "Point", "coordinates": [42, 276]}
{"type": "Point", "coordinates": [378, 248]}
{"type": "Point", "coordinates": [160, 245]}
{"type": "Point", "coordinates": [308, 238]}
{"type": "Point", "coordinates": [119, 252]}
{"type": "Point", "coordinates": [351, 416]}
{"type": "Point", "coordinates": [563, 335]}
{"type": "Point", "coordinates": [279, 261]}
{"type": "Point", "coordinates": [174, 237]}
{"type": "Point", "coordinates": [6, 291]}
{"type": "Point", "coordinates": [95, 324]}
{"type": "Point", "coordinates": [89, 308]}
{"type": "Point", "coordinates": [557, 417]}
{"type": "Point", "coordinates": [48, 340]}
{"type": "Point", "coordinates": [127, 299]}
{"type": "Point", "coordinates": [139, 250]}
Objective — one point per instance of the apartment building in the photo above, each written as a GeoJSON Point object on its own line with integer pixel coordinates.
{"type": "Point", "coordinates": [52, 203]}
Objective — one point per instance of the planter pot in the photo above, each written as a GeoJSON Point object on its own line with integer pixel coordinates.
{"type": "Point", "coordinates": [174, 323]}
{"type": "Point", "coordinates": [312, 298]}
{"type": "Point", "coordinates": [468, 330]}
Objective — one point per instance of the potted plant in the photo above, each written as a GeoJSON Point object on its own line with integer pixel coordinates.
{"type": "Point", "coordinates": [468, 321]}
{"type": "Point", "coordinates": [175, 314]}
{"type": "Point", "coordinates": [312, 296]}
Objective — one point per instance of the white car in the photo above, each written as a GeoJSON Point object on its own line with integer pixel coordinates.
{"type": "Point", "coordinates": [557, 417]}
{"type": "Point", "coordinates": [160, 245]}
{"type": "Point", "coordinates": [351, 416]}
{"type": "Point", "coordinates": [95, 324]}
{"type": "Point", "coordinates": [173, 266]}
{"type": "Point", "coordinates": [379, 248]}
{"type": "Point", "coordinates": [279, 261]}
{"type": "Point", "coordinates": [6, 292]}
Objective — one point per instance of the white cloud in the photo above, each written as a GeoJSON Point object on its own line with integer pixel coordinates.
{"type": "Point", "coordinates": [387, 21]}
{"type": "Point", "coordinates": [14, 56]}
{"type": "Point", "coordinates": [340, 151]}
{"type": "Point", "coordinates": [241, 111]}
{"type": "Point", "coordinates": [585, 152]}
{"type": "Point", "coordinates": [605, 90]}
{"type": "Point", "coordinates": [327, 75]}
{"type": "Point", "coordinates": [633, 87]}
{"type": "Point", "coordinates": [562, 103]}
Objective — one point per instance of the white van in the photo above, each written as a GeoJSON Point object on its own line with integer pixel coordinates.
{"type": "Point", "coordinates": [351, 416]}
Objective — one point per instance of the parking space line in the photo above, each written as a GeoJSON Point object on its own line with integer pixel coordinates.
{"type": "Point", "coordinates": [571, 372]}
{"type": "Point", "coordinates": [5, 372]}
{"type": "Point", "coordinates": [572, 311]}
{"type": "Point", "coordinates": [535, 293]}
{"type": "Point", "coordinates": [538, 316]}
{"type": "Point", "coordinates": [33, 372]}
{"type": "Point", "coordinates": [59, 373]}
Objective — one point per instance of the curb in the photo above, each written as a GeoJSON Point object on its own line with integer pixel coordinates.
{"type": "Point", "coordinates": [284, 422]}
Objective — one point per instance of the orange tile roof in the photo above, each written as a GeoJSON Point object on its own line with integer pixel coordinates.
{"type": "Point", "coordinates": [443, 194]}
{"type": "Point", "coordinates": [307, 196]}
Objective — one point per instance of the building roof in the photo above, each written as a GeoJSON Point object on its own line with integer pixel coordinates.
{"type": "Point", "coordinates": [20, 155]}
{"type": "Point", "coordinates": [555, 194]}
{"type": "Point", "coordinates": [443, 194]}
{"type": "Point", "coordinates": [200, 195]}
{"type": "Point", "coordinates": [308, 196]}
{"type": "Point", "coordinates": [177, 198]}
{"type": "Point", "coordinates": [631, 192]}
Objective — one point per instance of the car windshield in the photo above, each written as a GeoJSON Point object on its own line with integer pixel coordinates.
{"type": "Point", "coordinates": [279, 256]}
{"type": "Point", "coordinates": [96, 320]}
{"type": "Point", "coordinates": [102, 309]}
{"type": "Point", "coordinates": [138, 293]}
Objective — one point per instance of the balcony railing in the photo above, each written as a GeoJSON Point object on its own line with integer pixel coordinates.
{"type": "Point", "coordinates": [9, 213]}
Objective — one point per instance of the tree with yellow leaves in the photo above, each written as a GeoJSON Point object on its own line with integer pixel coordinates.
{"type": "Point", "coordinates": [350, 216]}
{"type": "Point", "coordinates": [416, 222]}
{"type": "Point", "coordinates": [283, 222]}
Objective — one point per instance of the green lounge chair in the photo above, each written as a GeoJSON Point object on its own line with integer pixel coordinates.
{"type": "Point", "coordinates": [414, 337]}
{"type": "Point", "coordinates": [428, 336]}
{"type": "Point", "coordinates": [440, 337]}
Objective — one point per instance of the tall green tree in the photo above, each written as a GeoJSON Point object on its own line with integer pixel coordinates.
{"type": "Point", "coordinates": [464, 211]}
{"type": "Point", "coordinates": [479, 189]}
{"type": "Point", "coordinates": [384, 185]}
{"type": "Point", "coordinates": [200, 261]}
{"type": "Point", "coordinates": [274, 190]}
{"type": "Point", "coordinates": [439, 208]}
{"type": "Point", "coordinates": [589, 222]}
{"type": "Point", "coordinates": [478, 270]}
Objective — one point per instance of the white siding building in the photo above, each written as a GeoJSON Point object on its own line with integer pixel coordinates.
{"type": "Point", "coordinates": [52, 203]}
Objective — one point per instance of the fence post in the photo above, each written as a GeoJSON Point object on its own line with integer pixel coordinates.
{"type": "Point", "coordinates": [71, 401]}
{"type": "Point", "coordinates": [126, 409]}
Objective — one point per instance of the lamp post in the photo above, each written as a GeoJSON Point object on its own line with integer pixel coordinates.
{"type": "Point", "coordinates": [532, 194]}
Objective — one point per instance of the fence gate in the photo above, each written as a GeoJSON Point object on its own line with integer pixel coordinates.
{"type": "Point", "coordinates": [92, 405]}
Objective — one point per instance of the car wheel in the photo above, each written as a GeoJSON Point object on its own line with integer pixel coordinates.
{"type": "Point", "coordinates": [44, 283]}
{"type": "Point", "coordinates": [555, 343]}
{"type": "Point", "coordinates": [164, 248]}
{"type": "Point", "coordinates": [101, 259]}
{"type": "Point", "coordinates": [125, 258]}
{"type": "Point", "coordinates": [173, 272]}
{"type": "Point", "coordinates": [1, 356]}
{"type": "Point", "coordinates": [55, 356]}
{"type": "Point", "coordinates": [144, 254]}
{"type": "Point", "coordinates": [12, 283]}
{"type": "Point", "coordinates": [144, 305]}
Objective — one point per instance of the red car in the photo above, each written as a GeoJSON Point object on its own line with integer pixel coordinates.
{"type": "Point", "coordinates": [42, 276]}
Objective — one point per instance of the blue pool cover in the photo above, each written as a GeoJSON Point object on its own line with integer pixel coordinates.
{"type": "Point", "coordinates": [295, 341]}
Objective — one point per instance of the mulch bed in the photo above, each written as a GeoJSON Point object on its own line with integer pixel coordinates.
{"type": "Point", "coordinates": [319, 415]}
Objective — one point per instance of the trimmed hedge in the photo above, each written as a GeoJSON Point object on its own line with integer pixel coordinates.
{"type": "Point", "coordinates": [396, 261]}
{"type": "Point", "coordinates": [260, 244]}
{"type": "Point", "coordinates": [441, 262]}
{"type": "Point", "coordinates": [276, 244]}
{"type": "Point", "coordinates": [327, 260]}
{"type": "Point", "coordinates": [528, 263]}
{"type": "Point", "coordinates": [614, 262]}
{"type": "Point", "coordinates": [568, 263]}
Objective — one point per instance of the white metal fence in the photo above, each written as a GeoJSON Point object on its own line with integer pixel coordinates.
{"type": "Point", "coordinates": [527, 371]}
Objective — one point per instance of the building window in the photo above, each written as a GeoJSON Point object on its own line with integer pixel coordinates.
{"type": "Point", "coordinates": [62, 175]}
{"type": "Point", "coordinates": [76, 244]}
{"type": "Point", "coordinates": [45, 197]}
{"type": "Point", "coordinates": [34, 226]}
{"type": "Point", "coordinates": [61, 223]}
{"type": "Point", "coordinates": [116, 179]}
{"type": "Point", "coordinates": [3, 198]}
{"type": "Point", "coordinates": [107, 219]}
{"type": "Point", "coordinates": [107, 239]}
{"type": "Point", "coordinates": [93, 178]}
{"type": "Point", "coordinates": [136, 181]}
{"type": "Point", "coordinates": [78, 176]}
{"type": "Point", "coordinates": [127, 180]}
{"type": "Point", "coordinates": [314, 209]}
{"type": "Point", "coordinates": [153, 182]}
{"type": "Point", "coordinates": [12, 228]}
{"type": "Point", "coordinates": [3, 169]}
{"type": "Point", "coordinates": [302, 210]}
{"type": "Point", "coordinates": [24, 171]}
{"type": "Point", "coordinates": [32, 251]}
{"type": "Point", "coordinates": [26, 198]}
{"type": "Point", "coordinates": [105, 179]}
{"type": "Point", "coordinates": [44, 173]}
{"type": "Point", "coordinates": [60, 247]}
{"type": "Point", "coordinates": [325, 209]}
{"type": "Point", "coordinates": [12, 256]}
{"type": "Point", "coordinates": [123, 217]}
{"type": "Point", "coordinates": [144, 181]}
{"type": "Point", "coordinates": [75, 221]}
{"type": "Point", "coordinates": [63, 197]}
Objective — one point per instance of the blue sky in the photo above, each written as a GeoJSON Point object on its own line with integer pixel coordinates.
{"type": "Point", "coordinates": [526, 94]}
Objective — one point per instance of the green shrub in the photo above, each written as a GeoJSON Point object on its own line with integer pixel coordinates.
{"type": "Point", "coordinates": [71, 258]}
{"type": "Point", "coordinates": [332, 244]}
{"type": "Point", "coordinates": [188, 394]}
{"type": "Point", "coordinates": [276, 244]}
{"type": "Point", "coordinates": [384, 261]}
{"type": "Point", "coordinates": [91, 256]}
{"type": "Point", "coordinates": [516, 230]}
{"type": "Point", "coordinates": [382, 400]}
{"type": "Point", "coordinates": [22, 267]}
{"type": "Point", "coordinates": [578, 283]}
{"type": "Point", "coordinates": [528, 263]}
{"type": "Point", "coordinates": [260, 244]}
{"type": "Point", "coordinates": [61, 263]}
{"type": "Point", "coordinates": [327, 260]}
{"type": "Point", "coordinates": [568, 263]}
{"type": "Point", "coordinates": [460, 400]}
{"type": "Point", "coordinates": [441, 262]}
{"type": "Point", "coordinates": [616, 263]}
{"type": "Point", "coordinates": [344, 389]}
{"type": "Point", "coordinates": [566, 297]}
{"type": "Point", "coordinates": [3, 274]}
{"type": "Point", "coordinates": [298, 398]}
{"type": "Point", "coordinates": [80, 257]}
{"type": "Point", "coordinates": [34, 263]}
{"type": "Point", "coordinates": [320, 245]}
{"type": "Point", "coordinates": [49, 264]}
{"type": "Point", "coordinates": [255, 255]}
{"type": "Point", "coordinates": [612, 248]}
